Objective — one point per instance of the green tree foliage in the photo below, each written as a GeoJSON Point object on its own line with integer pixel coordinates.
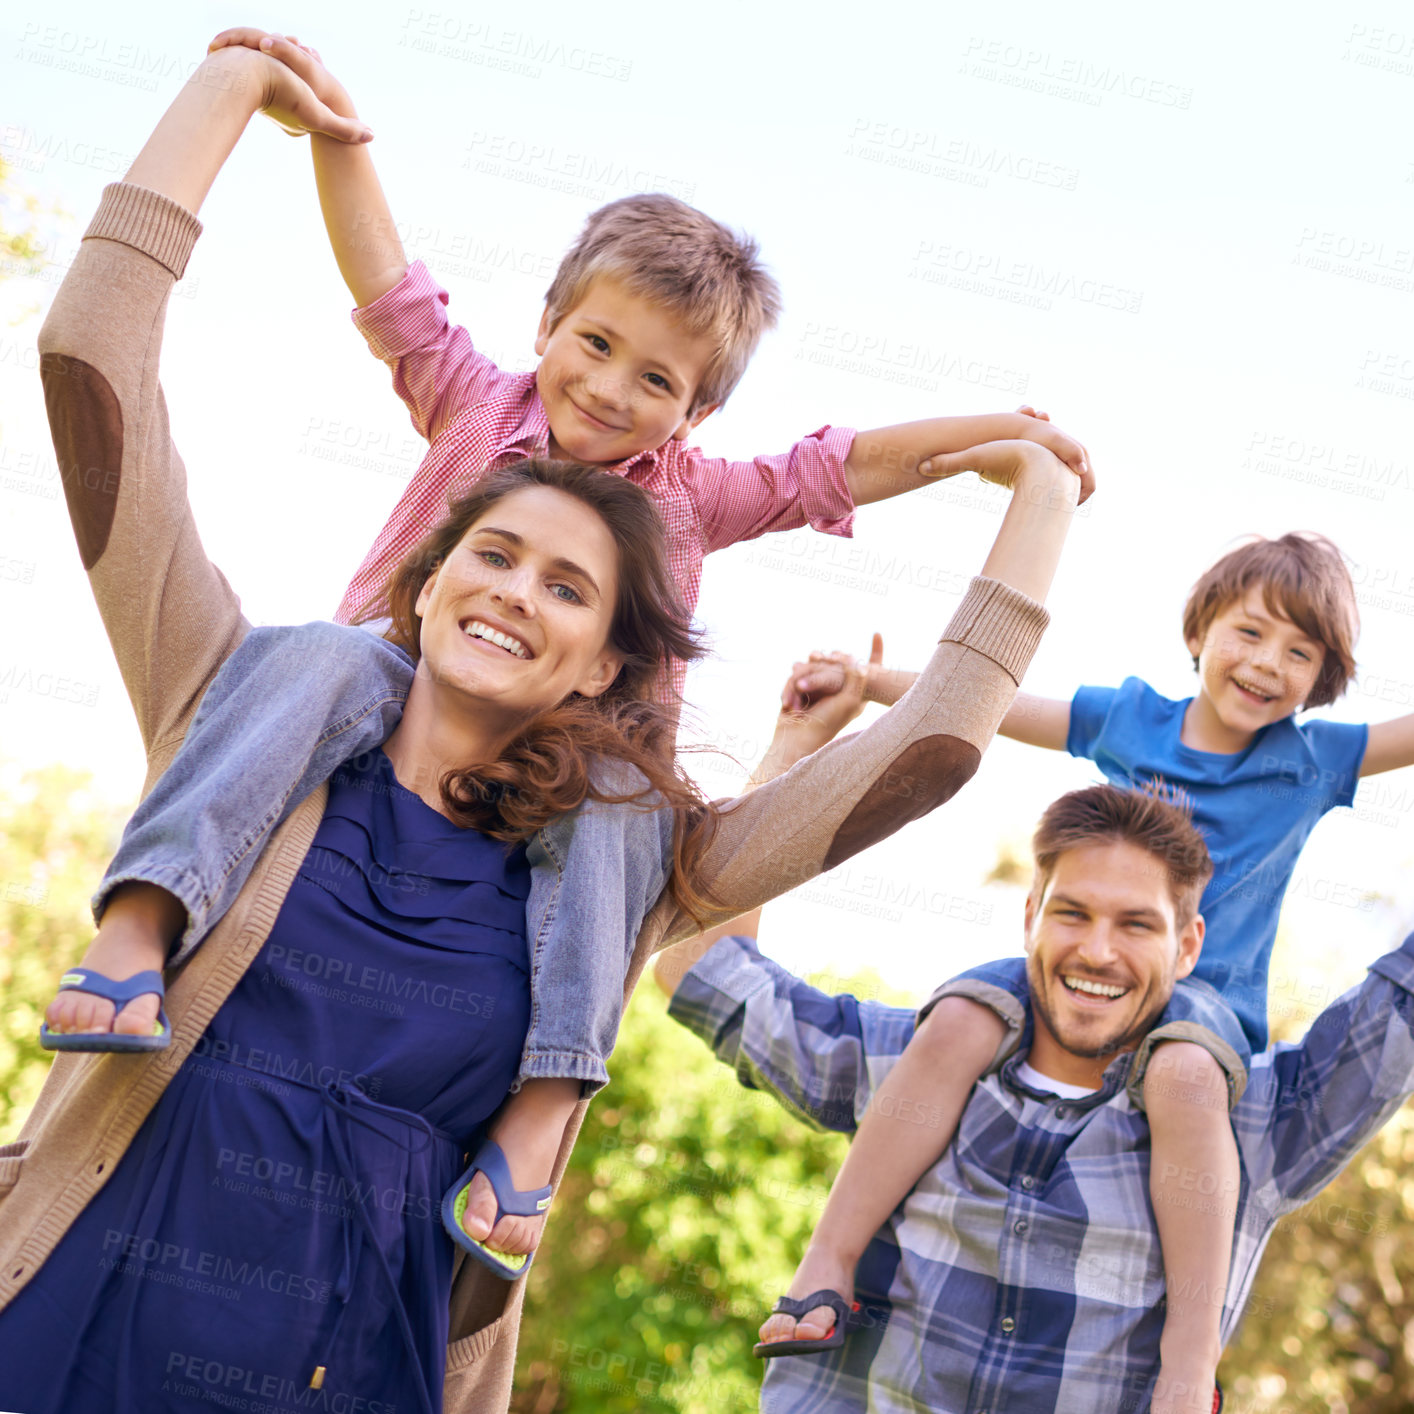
{"type": "Point", "coordinates": [1330, 1328]}
{"type": "Point", "coordinates": [55, 838]}
{"type": "Point", "coordinates": [687, 1203]}
{"type": "Point", "coordinates": [22, 215]}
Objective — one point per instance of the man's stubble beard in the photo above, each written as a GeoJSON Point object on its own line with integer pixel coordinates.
{"type": "Point", "coordinates": [1130, 1038]}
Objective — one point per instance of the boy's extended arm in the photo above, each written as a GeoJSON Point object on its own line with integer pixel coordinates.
{"type": "Point", "coordinates": [1389, 746]}
{"type": "Point", "coordinates": [356, 215]}
{"type": "Point", "coordinates": [887, 461]}
{"type": "Point", "coordinates": [1037, 721]}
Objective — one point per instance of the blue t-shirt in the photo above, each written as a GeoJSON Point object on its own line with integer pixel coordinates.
{"type": "Point", "coordinates": [1255, 809]}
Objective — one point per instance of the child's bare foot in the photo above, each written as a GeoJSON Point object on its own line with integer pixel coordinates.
{"type": "Point", "coordinates": [138, 926]}
{"type": "Point", "coordinates": [818, 1271]}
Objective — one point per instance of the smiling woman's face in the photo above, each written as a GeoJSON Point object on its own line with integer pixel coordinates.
{"type": "Point", "coordinates": [518, 616]}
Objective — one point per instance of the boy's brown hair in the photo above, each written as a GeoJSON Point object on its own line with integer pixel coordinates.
{"type": "Point", "coordinates": [1155, 819]}
{"type": "Point", "coordinates": [671, 254]}
{"type": "Point", "coordinates": [1302, 577]}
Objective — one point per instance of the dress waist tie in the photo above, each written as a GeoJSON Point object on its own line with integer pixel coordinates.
{"type": "Point", "coordinates": [342, 1104]}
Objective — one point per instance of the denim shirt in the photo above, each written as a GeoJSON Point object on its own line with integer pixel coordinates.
{"type": "Point", "coordinates": [289, 707]}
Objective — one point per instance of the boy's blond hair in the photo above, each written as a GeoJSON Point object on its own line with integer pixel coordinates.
{"type": "Point", "coordinates": [669, 253]}
{"type": "Point", "coordinates": [1302, 577]}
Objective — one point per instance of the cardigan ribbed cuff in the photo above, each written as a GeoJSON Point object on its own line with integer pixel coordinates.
{"type": "Point", "coordinates": [1000, 622]}
{"type": "Point", "coordinates": [149, 222]}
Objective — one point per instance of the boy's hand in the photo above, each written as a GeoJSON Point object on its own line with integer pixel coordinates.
{"type": "Point", "coordinates": [828, 691]}
{"type": "Point", "coordinates": [304, 63]}
{"type": "Point", "coordinates": [1037, 427]}
{"type": "Point", "coordinates": [808, 720]}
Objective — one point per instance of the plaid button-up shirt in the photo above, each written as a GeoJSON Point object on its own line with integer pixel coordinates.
{"type": "Point", "coordinates": [1023, 1274]}
{"type": "Point", "coordinates": [476, 418]}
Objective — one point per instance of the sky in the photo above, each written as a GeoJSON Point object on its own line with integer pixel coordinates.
{"type": "Point", "coordinates": [1185, 234]}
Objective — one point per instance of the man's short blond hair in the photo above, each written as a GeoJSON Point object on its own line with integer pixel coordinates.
{"type": "Point", "coordinates": [669, 253]}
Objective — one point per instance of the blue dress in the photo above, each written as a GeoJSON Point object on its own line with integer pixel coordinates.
{"type": "Point", "coordinates": [275, 1221]}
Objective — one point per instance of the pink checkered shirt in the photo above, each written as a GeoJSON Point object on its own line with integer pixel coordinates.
{"type": "Point", "coordinates": [477, 418]}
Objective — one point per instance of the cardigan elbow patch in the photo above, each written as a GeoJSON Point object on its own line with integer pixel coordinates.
{"type": "Point", "coordinates": [925, 774]}
{"type": "Point", "coordinates": [86, 421]}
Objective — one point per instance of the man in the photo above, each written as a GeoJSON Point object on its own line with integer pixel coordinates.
{"type": "Point", "coordinates": [1023, 1273]}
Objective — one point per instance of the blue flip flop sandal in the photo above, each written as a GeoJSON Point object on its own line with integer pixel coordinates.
{"type": "Point", "coordinates": [83, 979]}
{"type": "Point", "coordinates": [788, 1306]}
{"type": "Point", "coordinates": [527, 1203]}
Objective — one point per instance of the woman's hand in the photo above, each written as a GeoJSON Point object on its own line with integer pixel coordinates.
{"type": "Point", "coordinates": [296, 90]}
{"type": "Point", "coordinates": [814, 685]}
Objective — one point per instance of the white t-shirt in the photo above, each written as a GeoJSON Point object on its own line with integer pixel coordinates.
{"type": "Point", "coordinates": [1029, 1075]}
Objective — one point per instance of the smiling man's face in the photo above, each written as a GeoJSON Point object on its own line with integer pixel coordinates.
{"type": "Point", "coordinates": [1104, 950]}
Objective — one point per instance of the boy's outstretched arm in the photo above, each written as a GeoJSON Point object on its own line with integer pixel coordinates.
{"type": "Point", "coordinates": [1037, 721]}
{"type": "Point", "coordinates": [887, 461]}
{"type": "Point", "coordinates": [1390, 745]}
{"type": "Point", "coordinates": [356, 215]}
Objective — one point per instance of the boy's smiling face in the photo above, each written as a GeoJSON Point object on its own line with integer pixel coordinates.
{"type": "Point", "coordinates": [1255, 666]}
{"type": "Point", "coordinates": [617, 375]}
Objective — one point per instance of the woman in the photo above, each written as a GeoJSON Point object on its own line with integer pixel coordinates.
{"type": "Point", "coordinates": [251, 1213]}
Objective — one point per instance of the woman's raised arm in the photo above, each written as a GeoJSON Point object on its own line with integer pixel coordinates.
{"type": "Point", "coordinates": [856, 791]}
{"type": "Point", "coordinates": [170, 615]}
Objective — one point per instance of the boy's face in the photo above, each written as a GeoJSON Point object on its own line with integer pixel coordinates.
{"type": "Point", "coordinates": [617, 376]}
{"type": "Point", "coordinates": [1104, 950]}
{"type": "Point", "coordinates": [1255, 667]}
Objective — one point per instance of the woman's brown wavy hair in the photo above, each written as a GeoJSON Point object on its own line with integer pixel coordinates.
{"type": "Point", "coordinates": [551, 767]}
